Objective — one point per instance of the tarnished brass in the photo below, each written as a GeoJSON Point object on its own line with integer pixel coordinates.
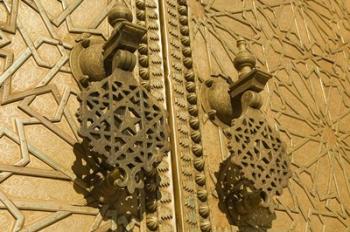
{"type": "Point", "coordinates": [86, 59]}
{"type": "Point", "coordinates": [183, 53]}
{"type": "Point", "coordinates": [221, 98]}
{"type": "Point", "coordinates": [118, 117]}
{"type": "Point", "coordinates": [216, 100]}
{"type": "Point", "coordinates": [257, 168]}
{"type": "Point", "coordinates": [93, 60]}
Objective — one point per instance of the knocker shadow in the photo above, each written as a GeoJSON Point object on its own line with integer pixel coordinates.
{"type": "Point", "coordinates": [94, 182]}
{"type": "Point", "coordinates": [240, 201]}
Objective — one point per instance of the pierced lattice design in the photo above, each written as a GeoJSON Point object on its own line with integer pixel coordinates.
{"type": "Point", "coordinates": [260, 154]}
{"type": "Point", "coordinates": [122, 122]}
{"type": "Point", "coordinates": [242, 201]}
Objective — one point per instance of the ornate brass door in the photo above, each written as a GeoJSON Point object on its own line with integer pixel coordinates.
{"type": "Point", "coordinates": [50, 181]}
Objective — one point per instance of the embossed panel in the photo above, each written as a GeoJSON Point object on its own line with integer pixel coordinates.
{"type": "Point", "coordinates": [43, 173]}
{"type": "Point", "coordinates": [305, 45]}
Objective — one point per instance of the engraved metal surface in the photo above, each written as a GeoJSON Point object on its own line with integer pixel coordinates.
{"type": "Point", "coordinates": [39, 189]}
{"type": "Point", "coordinates": [191, 195]}
{"type": "Point", "coordinates": [258, 167]}
{"type": "Point", "coordinates": [304, 45]}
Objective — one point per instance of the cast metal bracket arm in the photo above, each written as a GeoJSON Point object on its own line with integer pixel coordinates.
{"type": "Point", "coordinates": [257, 168]}
{"type": "Point", "coordinates": [119, 119]}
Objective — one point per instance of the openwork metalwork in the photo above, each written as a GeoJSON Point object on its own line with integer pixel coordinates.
{"type": "Point", "coordinates": [257, 150]}
{"type": "Point", "coordinates": [119, 119]}
{"type": "Point", "coordinates": [257, 168]}
{"type": "Point", "coordinates": [304, 44]}
{"type": "Point", "coordinates": [241, 200]}
{"type": "Point", "coordinates": [124, 124]}
{"type": "Point", "coordinates": [256, 171]}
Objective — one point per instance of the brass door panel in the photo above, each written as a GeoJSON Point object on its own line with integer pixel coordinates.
{"type": "Point", "coordinates": [44, 174]}
{"type": "Point", "coordinates": [305, 46]}
{"type": "Point", "coordinates": [45, 178]}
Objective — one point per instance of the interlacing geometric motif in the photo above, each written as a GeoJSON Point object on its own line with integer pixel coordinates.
{"type": "Point", "coordinates": [242, 201]}
{"type": "Point", "coordinates": [305, 45]}
{"type": "Point", "coordinates": [123, 123]}
{"type": "Point", "coordinates": [255, 172]}
{"type": "Point", "coordinates": [258, 152]}
{"type": "Point", "coordinates": [39, 189]}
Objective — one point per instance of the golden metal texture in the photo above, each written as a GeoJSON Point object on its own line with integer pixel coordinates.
{"type": "Point", "coordinates": [189, 47]}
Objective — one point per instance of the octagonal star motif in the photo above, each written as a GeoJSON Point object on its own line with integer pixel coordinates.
{"type": "Point", "coordinates": [124, 124]}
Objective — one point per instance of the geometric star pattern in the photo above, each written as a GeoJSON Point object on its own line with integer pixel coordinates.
{"type": "Point", "coordinates": [305, 46]}
{"type": "Point", "coordinates": [259, 153]}
{"type": "Point", "coordinates": [38, 188]}
{"type": "Point", "coordinates": [123, 123]}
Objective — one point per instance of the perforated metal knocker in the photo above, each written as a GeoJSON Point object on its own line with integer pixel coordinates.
{"type": "Point", "coordinates": [119, 118]}
{"type": "Point", "coordinates": [257, 167]}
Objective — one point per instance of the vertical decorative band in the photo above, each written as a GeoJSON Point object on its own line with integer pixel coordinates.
{"type": "Point", "coordinates": [158, 198]}
{"type": "Point", "coordinates": [187, 148]}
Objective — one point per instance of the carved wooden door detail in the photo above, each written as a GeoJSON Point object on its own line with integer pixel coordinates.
{"type": "Point", "coordinates": [45, 178]}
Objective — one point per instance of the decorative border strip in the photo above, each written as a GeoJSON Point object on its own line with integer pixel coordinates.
{"type": "Point", "coordinates": [160, 213]}
{"type": "Point", "coordinates": [192, 206]}
{"type": "Point", "coordinates": [197, 151]}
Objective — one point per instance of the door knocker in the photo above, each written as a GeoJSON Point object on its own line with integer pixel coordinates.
{"type": "Point", "coordinates": [119, 118]}
{"type": "Point", "coordinates": [257, 168]}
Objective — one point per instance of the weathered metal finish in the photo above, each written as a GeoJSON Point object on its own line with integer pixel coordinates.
{"type": "Point", "coordinates": [257, 168]}
{"type": "Point", "coordinates": [48, 174]}
{"type": "Point", "coordinates": [45, 179]}
{"type": "Point", "coordinates": [216, 100]}
{"type": "Point", "coordinates": [191, 193]}
{"type": "Point", "coordinates": [119, 119]}
{"type": "Point", "coordinates": [125, 125]}
{"type": "Point", "coordinates": [86, 59]}
{"type": "Point", "coordinates": [297, 42]}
